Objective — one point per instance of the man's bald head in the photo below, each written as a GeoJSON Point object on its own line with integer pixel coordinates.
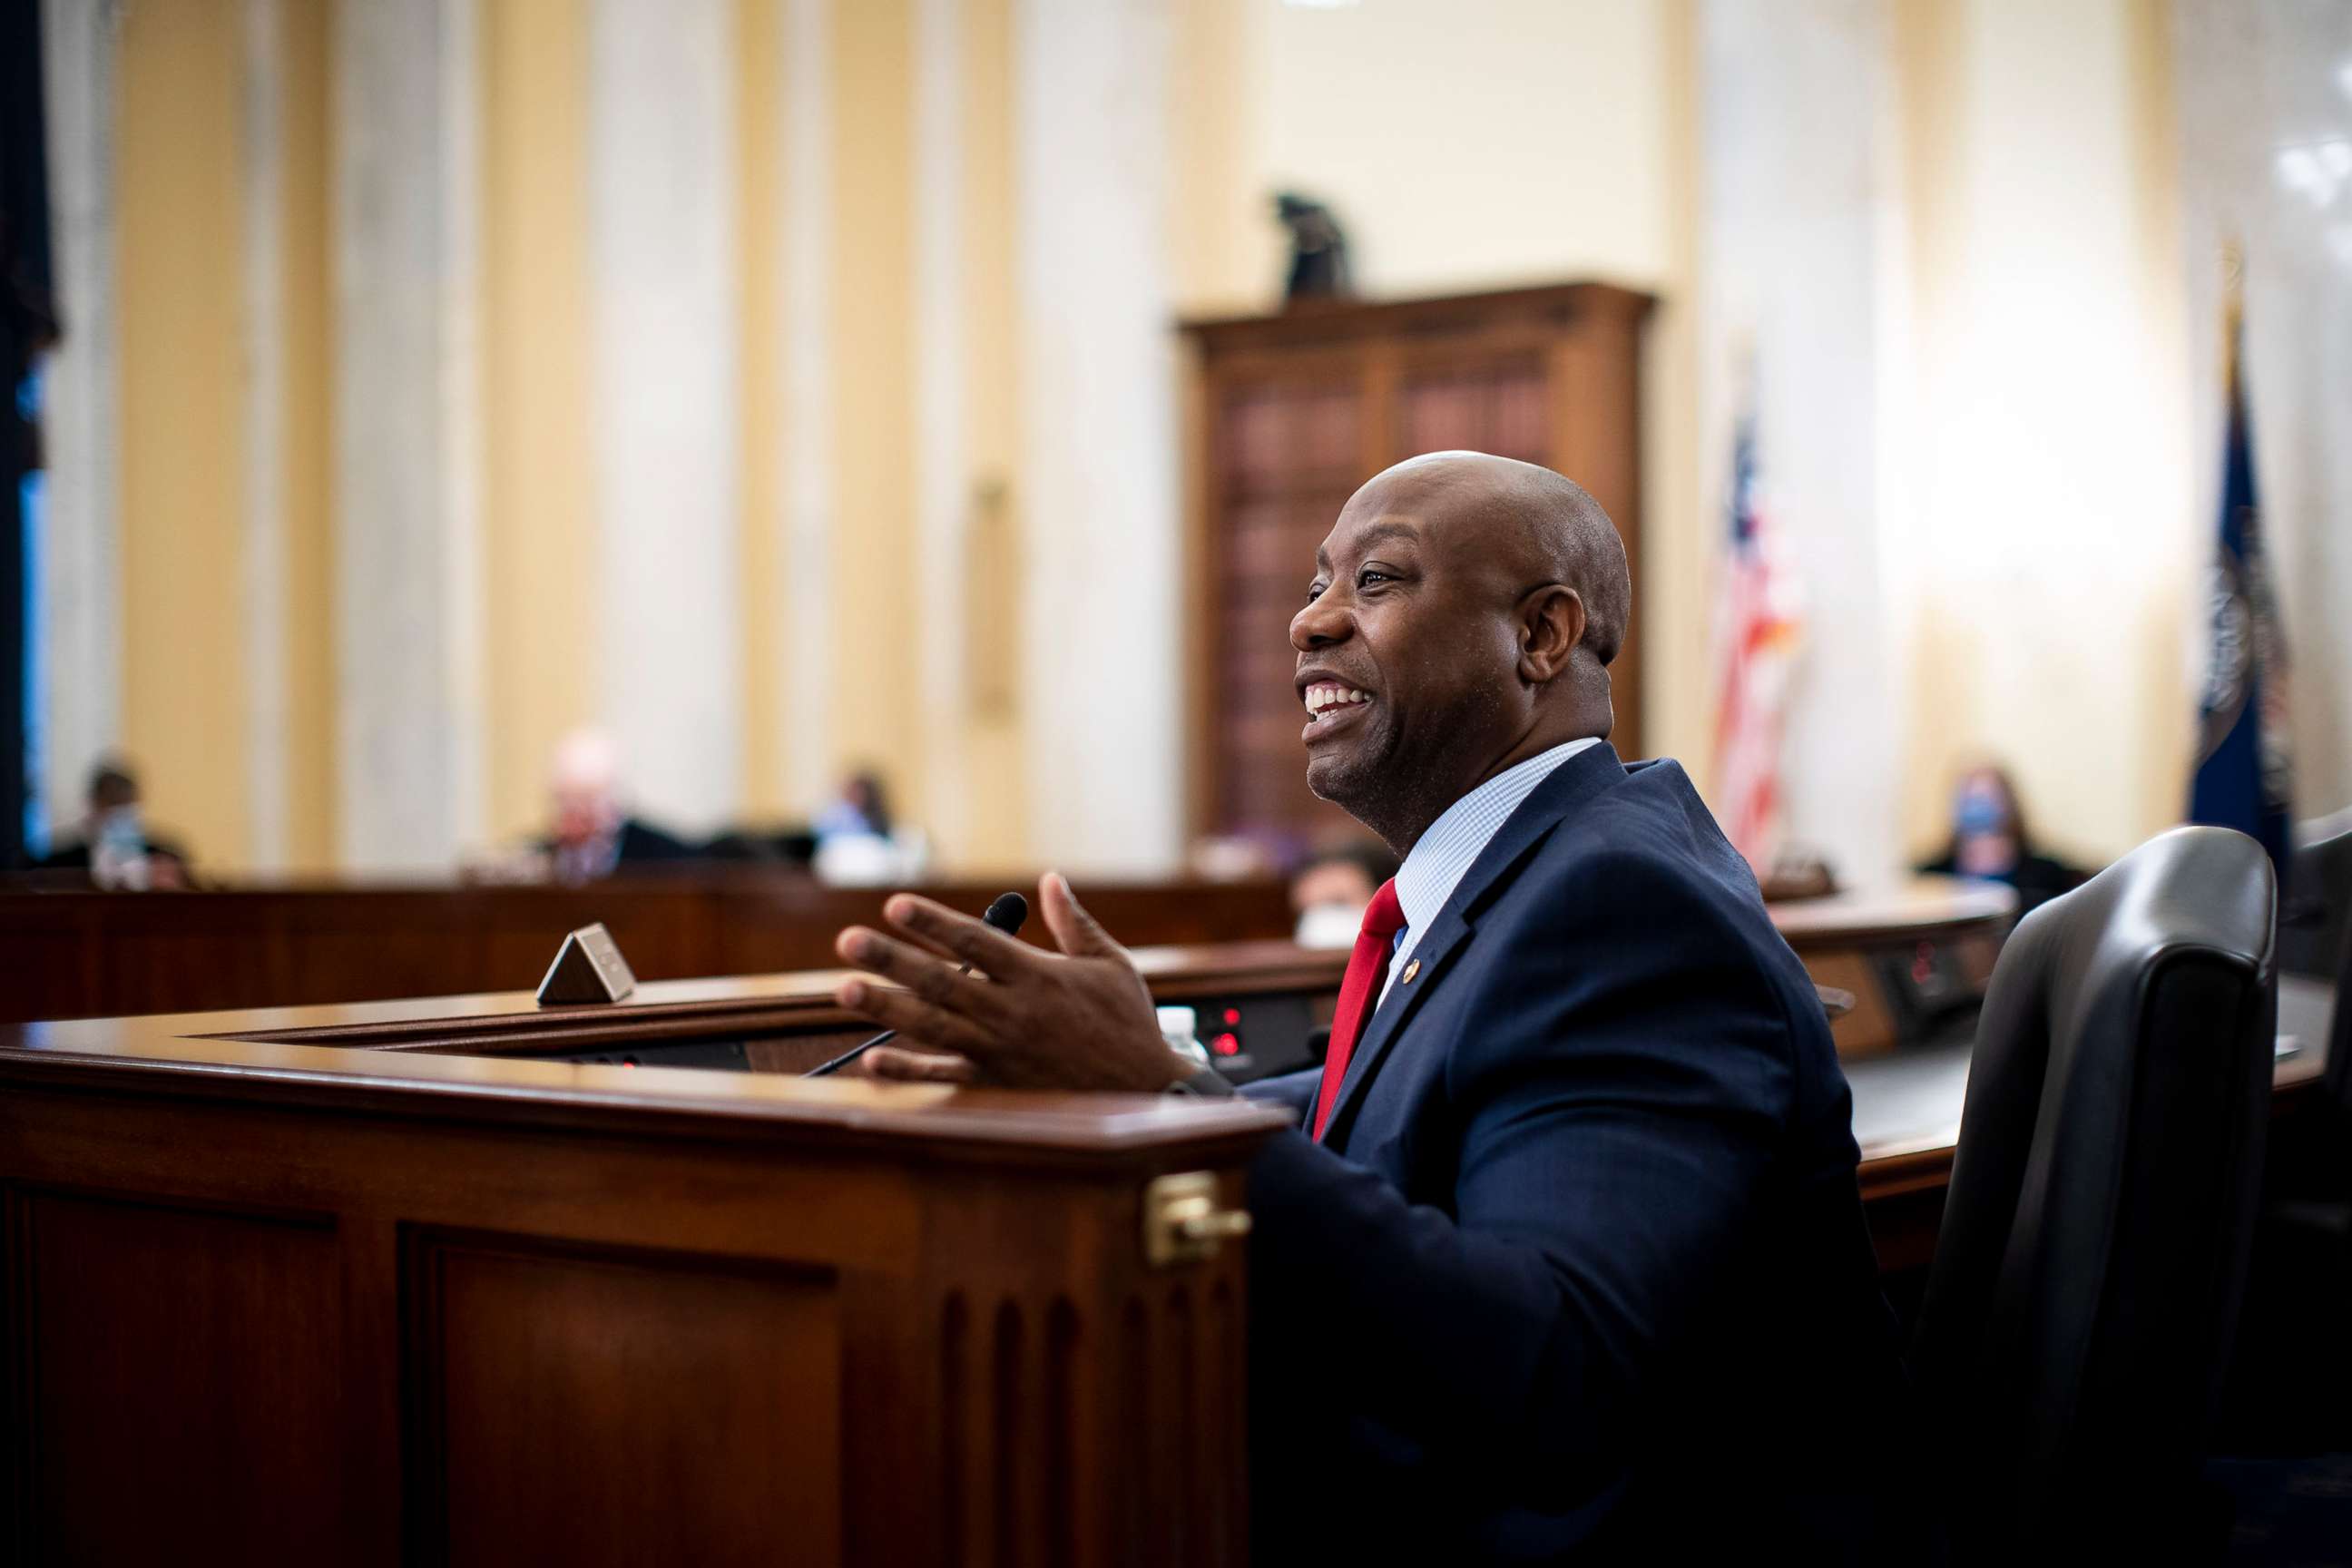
{"type": "Point", "coordinates": [1464, 613]}
{"type": "Point", "coordinates": [1545, 525]}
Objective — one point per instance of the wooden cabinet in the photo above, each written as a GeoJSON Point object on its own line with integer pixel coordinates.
{"type": "Point", "coordinates": [1291, 412]}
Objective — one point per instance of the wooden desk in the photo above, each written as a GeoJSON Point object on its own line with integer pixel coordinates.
{"type": "Point", "coordinates": [1908, 1103]}
{"type": "Point", "coordinates": [79, 955]}
{"type": "Point", "coordinates": [781, 1023]}
{"type": "Point", "coordinates": [425, 1294]}
{"type": "Point", "coordinates": [1916, 958]}
{"type": "Point", "coordinates": [265, 1302]}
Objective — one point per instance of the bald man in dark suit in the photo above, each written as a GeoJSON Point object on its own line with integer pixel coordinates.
{"type": "Point", "coordinates": [1565, 1260]}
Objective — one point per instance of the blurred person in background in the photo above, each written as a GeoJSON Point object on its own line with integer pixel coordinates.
{"type": "Point", "coordinates": [864, 807]}
{"type": "Point", "coordinates": [115, 850]}
{"type": "Point", "coordinates": [1990, 843]}
{"type": "Point", "coordinates": [859, 844]}
{"type": "Point", "coordinates": [592, 837]}
{"type": "Point", "coordinates": [1331, 890]}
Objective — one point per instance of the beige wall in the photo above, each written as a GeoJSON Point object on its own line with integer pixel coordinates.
{"type": "Point", "coordinates": [185, 162]}
{"type": "Point", "coordinates": [1475, 143]}
{"type": "Point", "coordinates": [2047, 532]}
{"type": "Point", "coordinates": [984, 698]}
{"type": "Point", "coordinates": [1251, 105]}
{"type": "Point", "coordinates": [2039, 533]}
{"type": "Point", "coordinates": [874, 390]}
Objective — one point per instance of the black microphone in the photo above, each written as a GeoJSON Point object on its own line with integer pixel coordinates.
{"type": "Point", "coordinates": [1007, 914]}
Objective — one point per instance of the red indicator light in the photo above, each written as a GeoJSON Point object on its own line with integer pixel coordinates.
{"type": "Point", "coordinates": [1226, 1045]}
{"type": "Point", "coordinates": [1232, 1016]}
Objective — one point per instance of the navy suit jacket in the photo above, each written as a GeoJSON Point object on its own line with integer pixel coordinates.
{"type": "Point", "coordinates": [1578, 1270]}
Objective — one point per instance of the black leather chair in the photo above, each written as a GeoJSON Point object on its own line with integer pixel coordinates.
{"type": "Point", "coordinates": [2316, 904]}
{"type": "Point", "coordinates": [2291, 1390]}
{"type": "Point", "coordinates": [2340, 1035]}
{"type": "Point", "coordinates": [2078, 1317]}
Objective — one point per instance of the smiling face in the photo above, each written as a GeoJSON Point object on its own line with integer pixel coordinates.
{"type": "Point", "coordinates": [1437, 628]}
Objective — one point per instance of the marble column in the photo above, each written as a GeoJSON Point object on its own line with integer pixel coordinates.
{"type": "Point", "coordinates": [662, 261]}
{"type": "Point", "coordinates": [80, 594]}
{"type": "Point", "coordinates": [407, 477]}
{"type": "Point", "coordinates": [806, 561]}
{"type": "Point", "coordinates": [1104, 674]}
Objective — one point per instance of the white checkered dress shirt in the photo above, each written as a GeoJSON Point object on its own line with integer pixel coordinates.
{"type": "Point", "coordinates": [1455, 840]}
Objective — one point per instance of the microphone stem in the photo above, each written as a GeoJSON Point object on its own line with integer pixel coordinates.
{"type": "Point", "coordinates": [1006, 914]}
{"type": "Point", "coordinates": [827, 1069]}
{"type": "Point", "coordinates": [851, 1054]}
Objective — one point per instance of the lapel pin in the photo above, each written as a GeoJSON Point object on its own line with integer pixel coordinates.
{"type": "Point", "coordinates": [1409, 971]}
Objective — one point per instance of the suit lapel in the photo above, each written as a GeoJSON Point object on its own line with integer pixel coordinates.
{"type": "Point", "coordinates": [1575, 781]}
{"type": "Point", "coordinates": [1446, 934]}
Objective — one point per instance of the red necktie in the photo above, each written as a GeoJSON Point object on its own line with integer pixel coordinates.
{"type": "Point", "coordinates": [1367, 967]}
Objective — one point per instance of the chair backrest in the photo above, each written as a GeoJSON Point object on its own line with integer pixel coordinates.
{"type": "Point", "coordinates": [2085, 1286]}
{"type": "Point", "coordinates": [2339, 1081]}
{"type": "Point", "coordinates": [2316, 902]}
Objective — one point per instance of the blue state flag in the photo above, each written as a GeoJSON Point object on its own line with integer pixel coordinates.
{"type": "Point", "coordinates": [2245, 766]}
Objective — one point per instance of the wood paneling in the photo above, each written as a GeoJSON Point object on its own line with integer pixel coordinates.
{"type": "Point", "coordinates": [1296, 412]}
{"type": "Point", "coordinates": [623, 1406]}
{"type": "Point", "coordinates": [480, 1310]}
{"type": "Point", "coordinates": [167, 1356]}
{"type": "Point", "coordinates": [81, 955]}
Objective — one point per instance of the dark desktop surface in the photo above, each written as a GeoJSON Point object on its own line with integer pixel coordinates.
{"type": "Point", "coordinates": [1247, 1037]}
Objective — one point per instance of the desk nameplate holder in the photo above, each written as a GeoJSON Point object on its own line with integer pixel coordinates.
{"type": "Point", "coordinates": [588, 968]}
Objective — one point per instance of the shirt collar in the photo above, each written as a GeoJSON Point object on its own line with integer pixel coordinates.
{"type": "Point", "coordinates": [1444, 854]}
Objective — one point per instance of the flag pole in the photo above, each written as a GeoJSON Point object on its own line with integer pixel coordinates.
{"type": "Point", "coordinates": [2233, 313]}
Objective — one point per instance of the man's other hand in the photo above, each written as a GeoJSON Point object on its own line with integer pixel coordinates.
{"type": "Point", "coordinates": [1081, 1018]}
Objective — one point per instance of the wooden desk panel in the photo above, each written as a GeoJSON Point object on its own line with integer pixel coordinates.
{"type": "Point", "coordinates": [161, 1343]}
{"type": "Point", "coordinates": [276, 1302]}
{"type": "Point", "coordinates": [80, 955]}
{"type": "Point", "coordinates": [721, 1381]}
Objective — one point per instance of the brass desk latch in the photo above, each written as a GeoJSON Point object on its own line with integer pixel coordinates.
{"type": "Point", "coordinates": [1181, 1221]}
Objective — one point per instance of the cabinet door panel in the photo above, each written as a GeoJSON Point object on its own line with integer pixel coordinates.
{"type": "Point", "coordinates": [1500, 409]}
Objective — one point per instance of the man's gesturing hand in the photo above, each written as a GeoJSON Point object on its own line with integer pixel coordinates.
{"type": "Point", "coordinates": [1081, 1019]}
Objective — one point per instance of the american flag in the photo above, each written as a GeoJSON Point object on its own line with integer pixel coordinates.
{"type": "Point", "coordinates": [1757, 630]}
